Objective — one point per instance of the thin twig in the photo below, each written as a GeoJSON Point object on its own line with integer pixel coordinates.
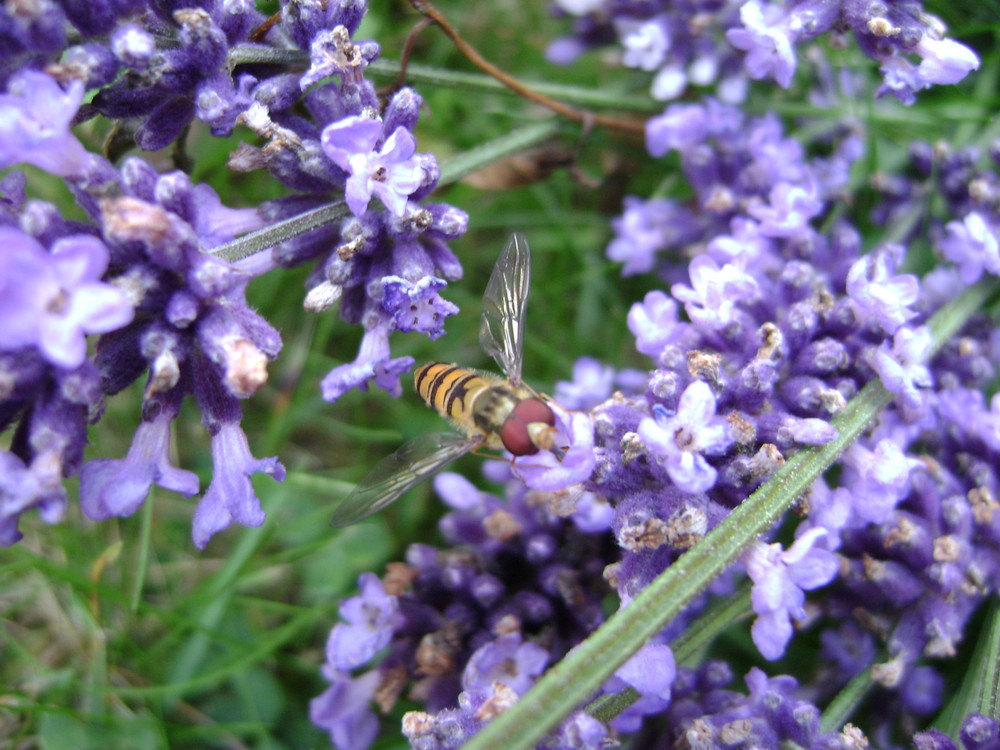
{"type": "Point", "coordinates": [581, 116]}
{"type": "Point", "coordinates": [404, 61]}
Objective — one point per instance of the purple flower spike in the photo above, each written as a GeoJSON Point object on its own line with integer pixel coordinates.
{"type": "Point", "coordinates": [390, 172]}
{"type": "Point", "coordinates": [767, 40]}
{"type": "Point", "coordinates": [417, 307]}
{"type": "Point", "coordinates": [118, 487]}
{"type": "Point", "coordinates": [679, 440]}
{"type": "Point", "coordinates": [779, 579]}
{"type": "Point", "coordinates": [343, 709]}
{"type": "Point", "coordinates": [53, 300]}
{"type": "Point", "coordinates": [230, 496]}
{"type": "Point", "coordinates": [35, 115]}
{"type": "Point", "coordinates": [370, 618]}
{"type": "Point", "coordinates": [972, 245]}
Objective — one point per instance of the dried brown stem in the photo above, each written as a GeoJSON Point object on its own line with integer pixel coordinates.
{"type": "Point", "coordinates": [576, 115]}
{"type": "Point", "coordinates": [404, 61]}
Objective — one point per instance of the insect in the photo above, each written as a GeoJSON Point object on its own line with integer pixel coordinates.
{"type": "Point", "coordinates": [491, 411]}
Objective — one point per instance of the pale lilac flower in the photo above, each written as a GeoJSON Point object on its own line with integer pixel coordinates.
{"type": "Point", "coordinates": [368, 627]}
{"type": "Point", "coordinates": [343, 709]}
{"type": "Point", "coordinates": [645, 229]}
{"type": "Point", "coordinates": [118, 487]}
{"type": "Point", "coordinates": [881, 480]}
{"type": "Point", "coordinates": [571, 460]}
{"type": "Point", "coordinates": [390, 171]}
{"type": "Point", "coordinates": [789, 210]}
{"type": "Point", "coordinates": [333, 52]}
{"type": "Point", "coordinates": [507, 660]}
{"type": "Point", "coordinates": [52, 300]}
{"type": "Point", "coordinates": [877, 294]}
{"type": "Point", "coordinates": [20, 490]}
{"type": "Point", "coordinates": [645, 44]}
{"type": "Point", "coordinates": [230, 496]}
{"type": "Point", "coordinates": [767, 40]}
{"type": "Point", "coordinates": [780, 578]}
{"type": "Point", "coordinates": [680, 127]}
{"type": "Point", "coordinates": [903, 367]}
{"type": "Point", "coordinates": [591, 384]}
{"type": "Point", "coordinates": [654, 323]}
{"type": "Point", "coordinates": [373, 363]}
{"type": "Point", "coordinates": [944, 61]}
{"type": "Point", "coordinates": [680, 439]}
{"type": "Point", "coordinates": [972, 245]}
{"type": "Point", "coordinates": [650, 671]}
{"type": "Point", "coordinates": [714, 295]}
{"type": "Point", "coordinates": [35, 117]}
{"type": "Point", "coordinates": [133, 45]}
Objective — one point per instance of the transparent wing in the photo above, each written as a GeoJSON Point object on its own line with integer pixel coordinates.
{"type": "Point", "coordinates": [406, 468]}
{"type": "Point", "coordinates": [501, 329]}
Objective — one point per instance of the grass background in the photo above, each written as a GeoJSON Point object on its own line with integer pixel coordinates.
{"type": "Point", "coordinates": [122, 635]}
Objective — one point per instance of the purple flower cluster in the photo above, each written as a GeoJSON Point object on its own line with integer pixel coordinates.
{"type": "Point", "coordinates": [143, 271]}
{"type": "Point", "coordinates": [723, 45]}
{"type": "Point", "coordinates": [470, 628]}
{"type": "Point", "coordinates": [775, 327]}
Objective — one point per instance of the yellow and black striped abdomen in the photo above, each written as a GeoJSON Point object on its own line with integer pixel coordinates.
{"type": "Point", "coordinates": [451, 389]}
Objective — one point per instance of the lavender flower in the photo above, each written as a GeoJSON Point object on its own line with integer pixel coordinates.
{"type": "Point", "coordinates": [52, 300]}
{"type": "Point", "coordinates": [779, 579]}
{"type": "Point", "coordinates": [681, 439]}
{"type": "Point", "coordinates": [35, 116]}
{"type": "Point", "coordinates": [388, 171]}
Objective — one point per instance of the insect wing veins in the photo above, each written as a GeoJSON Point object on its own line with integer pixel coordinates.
{"type": "Point", "coordinates": [394, 475]}
{"type": "Point", "coordinates": [501, 329]}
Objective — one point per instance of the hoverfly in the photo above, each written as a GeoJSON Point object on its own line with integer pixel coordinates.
{"type": "Point", "coordinates": [492, 412]}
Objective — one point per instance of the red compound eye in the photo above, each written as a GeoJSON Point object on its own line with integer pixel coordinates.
{"type": "Point", "coordinates": [514, 433]}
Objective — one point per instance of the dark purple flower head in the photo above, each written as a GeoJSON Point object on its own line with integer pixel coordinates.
{"type": "Point", "coordinates": [417, 307]}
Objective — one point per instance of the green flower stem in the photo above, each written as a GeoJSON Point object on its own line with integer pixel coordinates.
{"type": "Point", "coordinates": [989, 696]}
{"type": "Point", "coordinates": [686, 647]}
{"type": "Point", "coordinates": [451, 171]}
{"type": "Point", "coordinates": [386, 69]}
{"type": "Point", "coordinates": [569, 683]}
{"type": "Point", "coordinates": [841, 707]}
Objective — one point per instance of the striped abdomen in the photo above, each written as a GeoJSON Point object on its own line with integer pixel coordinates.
{"type": "Point", "coordinates": [483, 404]}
